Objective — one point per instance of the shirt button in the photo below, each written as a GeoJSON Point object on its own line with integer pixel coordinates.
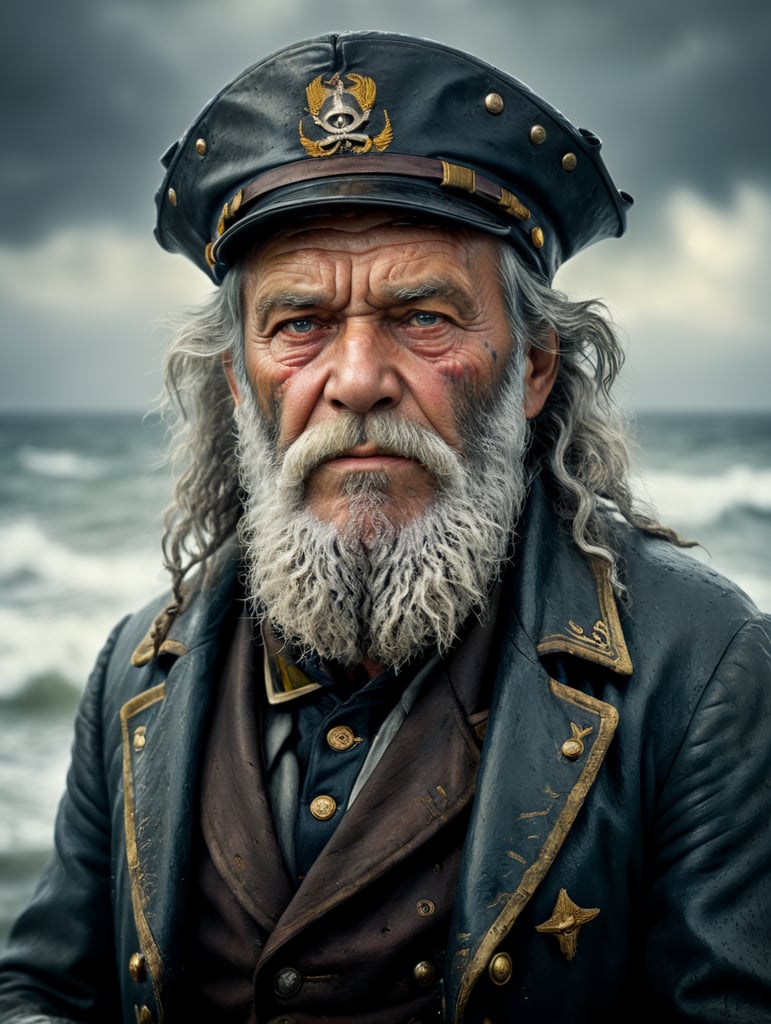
{"type": "Point", "coordinates": [287, 982]}
{"type": "Point", "coordinates": [342, 737]}
{"type": "Point", "coordinates": [323, 807]}
{"type": "Point", "coordinates": [424, 973]}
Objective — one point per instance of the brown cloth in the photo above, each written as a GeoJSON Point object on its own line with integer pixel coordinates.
{"type": "Point", "coordinates": [363, 937]}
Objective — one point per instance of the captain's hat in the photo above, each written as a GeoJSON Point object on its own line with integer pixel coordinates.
{"type": "Point", "coordinates": [384, 120]}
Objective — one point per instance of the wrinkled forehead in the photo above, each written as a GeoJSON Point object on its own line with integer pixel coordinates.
{"type": "Point", "coordinates": [361, 230]}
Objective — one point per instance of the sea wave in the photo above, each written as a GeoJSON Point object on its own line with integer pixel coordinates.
{"type": "Point", "coordinates": [35, 645]}
{"type": "Point", "coordinates": [52, 462]}
{"type": "Point", "coordinates": [59, 603]}
{"type": "Point", "coordinates": [27, 550]}
{"type": "Point", "coordinates": [696, 500]}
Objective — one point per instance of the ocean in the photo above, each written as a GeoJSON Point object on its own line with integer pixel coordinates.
{"type": "Point", "coordinates": [81, 503]}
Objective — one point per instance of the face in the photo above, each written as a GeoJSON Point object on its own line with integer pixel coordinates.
{"type": "Point", "coordinates": [365, 314]}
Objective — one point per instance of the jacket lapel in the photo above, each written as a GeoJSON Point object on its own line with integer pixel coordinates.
{"type": "Point", "coordinates": [162, 729]}
{"type": "Point", "coordinates": [237, 819]}
{"type": "Point", "coordinates": [545, 741]}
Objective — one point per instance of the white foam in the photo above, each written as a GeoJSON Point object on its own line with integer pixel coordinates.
{"type": "Point", "coordinates": [58, 604]}
{"type": "Point", "coordinates": [700, 500]}
{"type": "Point", "coordinates": [54, 463]}
{"type": "Point", "coordinates": [26, 548]}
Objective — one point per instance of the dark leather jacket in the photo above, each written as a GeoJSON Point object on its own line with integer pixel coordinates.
{"type": "Point", "coordinates": [619, 851]}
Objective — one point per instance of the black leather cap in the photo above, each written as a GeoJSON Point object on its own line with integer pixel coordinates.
{"type": "Point", "coordinates": [380, 119]}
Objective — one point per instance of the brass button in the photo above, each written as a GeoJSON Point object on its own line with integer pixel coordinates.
{"type": "Point", "coordinates": [500, 969]}
{"type": "Point", "coordinates": [341, 737]}
{"type": "Point", "coordinates": [426, 908]}
{"type": "Point", "coordinates": [140, 738]}
{"type": "Point", "coordinates": [572, 749]}
{"type": "Point", "coordinates": [172, 196]}
{"type": "Point", "coordinates": [537, 238]}
{"type": "Point", "coordinates": [569, 162]}
{"type": "Point", "coordinates": [201, 147]}
{"type": "Point", "coordinates": [137, 968]}
{"type": "Point", "coordinates": [424, 973]}
{"type": "Point", "coordinates": [494, 103]}
{"type": "Point", "coordinates": [287, 982]}
{"type": "Point", "coordinates": [537, 134]}
{"type": "Point", "coordinates": [145, 1015]}
{"type": "Point", "coordinates": [323, 807]}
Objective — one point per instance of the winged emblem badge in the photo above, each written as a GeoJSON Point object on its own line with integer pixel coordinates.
{"type": "Point", "coordinates": [340, 110]}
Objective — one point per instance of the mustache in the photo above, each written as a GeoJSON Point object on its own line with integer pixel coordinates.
{"type": "Point", "coordinates": [388, 433]}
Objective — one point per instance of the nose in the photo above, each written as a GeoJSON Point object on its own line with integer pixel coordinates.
{"type": "Point", "coordinates": [362, 376]}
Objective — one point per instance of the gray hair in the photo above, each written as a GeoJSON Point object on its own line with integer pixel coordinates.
{"type": "Point", "coordinates": [580, 440]}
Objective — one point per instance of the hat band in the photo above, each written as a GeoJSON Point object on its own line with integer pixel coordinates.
{"type": "Point", "coordinates": [444, 173]}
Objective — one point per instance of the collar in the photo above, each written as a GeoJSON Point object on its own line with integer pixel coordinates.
{"type": "Point", "coordinates": [563, 598]}
{"type": "Point", "coordinates": [285, 680]}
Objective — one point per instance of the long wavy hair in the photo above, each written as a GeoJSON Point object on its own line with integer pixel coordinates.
{"type": "Point", "coordinates": [580, 439]}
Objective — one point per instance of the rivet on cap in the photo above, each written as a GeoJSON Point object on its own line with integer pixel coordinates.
{"type": "Point", "coordinates": [323, 807]}
{"type": "Point", "coordinates": [172, 197]}
{"type": "Point", "coordinates": [201, 147]}
{"type": "Point", "coordinates": [569, 162]}
{"type": "Point", "coordinates": [424, 973]}
{"type": "Point", "coordinates": [500, 969]}
{"type": "Point", "coordinates": [536, 237]}
{"type": "Point", "coordinates": [537, 134]}
{"type": "Point", "coordinates": [494, 103]}
{"type": "Point", "coordinates": [426, 908]}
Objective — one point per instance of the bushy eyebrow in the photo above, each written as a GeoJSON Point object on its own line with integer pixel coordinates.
{"type": "Point", "coordinates": [435, 288]}
{"type": "Point", "coordinates": [430, 288]}
{"type": "Point", "coordinates": [284, 301]}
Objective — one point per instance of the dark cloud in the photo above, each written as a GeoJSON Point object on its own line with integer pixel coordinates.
{"type": "Point", "coordinates": [77, 86]}
{"type": "Point", "coordinates": [94, 90]}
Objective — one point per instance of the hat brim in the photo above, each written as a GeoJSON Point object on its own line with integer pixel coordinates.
{"type": "Point", "coordinates": [313, 198]}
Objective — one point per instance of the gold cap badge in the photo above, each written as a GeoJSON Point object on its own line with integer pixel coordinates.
{"type": "Point", "coordinates": [341, 113]}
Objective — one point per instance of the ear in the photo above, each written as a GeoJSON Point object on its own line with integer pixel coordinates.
{"type": "Point", "coordinates": [541, 367]}
{"type": "Point", "coordinates": [227, 363]}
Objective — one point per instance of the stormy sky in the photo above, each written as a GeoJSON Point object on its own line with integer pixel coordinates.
{"type": "Point", "coordinates": [93, 91]}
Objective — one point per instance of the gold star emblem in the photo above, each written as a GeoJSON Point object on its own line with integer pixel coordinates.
{"type": "Point", "coordinates": [566, 921]}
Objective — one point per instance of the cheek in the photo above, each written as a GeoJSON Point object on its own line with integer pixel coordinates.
{"type": "Point", "coordinates": [293, 396]}
{"type": "Point", "coordinates": [476, 370]}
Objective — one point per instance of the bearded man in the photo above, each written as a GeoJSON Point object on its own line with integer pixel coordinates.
{"type": "Point", "coordinates": [438, 723]}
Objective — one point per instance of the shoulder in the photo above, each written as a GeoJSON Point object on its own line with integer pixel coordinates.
{"type": "Point", "coordinates": [662, 572]}
{"type": "Point", "coordinates": [677, 605]}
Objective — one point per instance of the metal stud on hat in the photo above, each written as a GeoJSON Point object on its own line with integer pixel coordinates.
{"type": "Point", "coordinates": [375, 119]}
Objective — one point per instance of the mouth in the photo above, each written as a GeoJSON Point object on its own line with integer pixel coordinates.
{"type": "Point", "coordinates": [366, 458]}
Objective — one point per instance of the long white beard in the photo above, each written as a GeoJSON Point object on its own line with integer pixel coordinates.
{"type": "Point", "coordinates": [374, 589]}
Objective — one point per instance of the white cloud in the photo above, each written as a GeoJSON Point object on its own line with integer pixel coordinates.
{"type": "Point", "coordinates": [96, 272]}
{"type": "Point", "coordinates": [699, 267]}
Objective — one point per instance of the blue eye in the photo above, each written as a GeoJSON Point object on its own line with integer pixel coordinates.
{"type": "Point", "coordinates": [424, 319]}
{"type": "Point", "coordinates": [302, 326]}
